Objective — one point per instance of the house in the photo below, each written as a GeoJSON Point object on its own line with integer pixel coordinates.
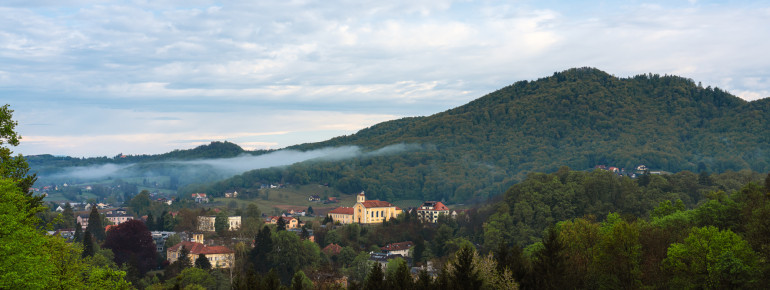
{"type": "Point", "coordinates": [401, 248]}
{"type": "Point", "coordinates": [60, 209]}
{"type": "Point", "coordinates": [118, 218]}
{"type": "Point", "coordinates": [102, 205]}
{"type": "Point", "coordinates": [431, 210]}
{"type": "Point", "coordinates": [382, 258]}
{"type": "Point", "coordinates": [291, 223]}
{"type": "Point", "coordinates": [218, 256]}
{"type": "Point", "coordinates": [368, 211]}
{"type": "Point", "coordinates": [83, 220]}
{"type": "Point", "coordinates": [160, 238]}
{"type": "Point", "coordinates": [332, 249]}
{"type": "Point", "coordinates": [231, 194]}
{"type": "Point", "coordinates": [314, 198]}
{"type": "Point", "coordinates": [206, 223]}
{"type": "Point", "coordinates": [200, 198]}
{"type": "Point", "coordinates": [642, 168]}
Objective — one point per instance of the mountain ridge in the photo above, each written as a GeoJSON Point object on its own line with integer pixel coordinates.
{"type": "Point", "coordinates": [580, 117]}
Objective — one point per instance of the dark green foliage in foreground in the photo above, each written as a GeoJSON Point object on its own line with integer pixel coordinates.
{"type": "Point", "coordinates": [579, 118]}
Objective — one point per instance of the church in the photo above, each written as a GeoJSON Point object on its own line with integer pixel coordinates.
{"type": "Point", "coordinates": [365, 211]}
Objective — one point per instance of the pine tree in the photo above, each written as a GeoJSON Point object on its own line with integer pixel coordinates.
{"type": "Point", "coordinates": [184, 259]}
{"type": "Point", "coordinates": [263, 245]}
{"type": "Point", "coordinates": [281, 224]}
{"type": "Point", "coordinates": [374, 281]}
{"type": "Point", "coordinates": [160, 222]}
{"type": "Point", "coordinates": [150, 222]}
{"type": "Point", "coordinates": [464, 274]}
{"type": "Point", "coordinates": [78, 238]}
{"type": "Point", "coordinates": [88, 245]}
{"type": "Point", "coordinates": [202, 262]}
{"type": "Point", "coordinates": [95, 224]}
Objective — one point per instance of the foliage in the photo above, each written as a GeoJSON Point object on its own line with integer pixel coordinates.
{"type": "Point", "coordinates": [580, 118]}
{"type": "Point", "coordinates": [301, 282]}
{"type": "Point", "coordinates": [95, 226]}
{"type": "Point", "coordinates": [132, 243]}
{"type": "Point", "coordinates": [712, 259]}
{"type": "Point", "coordinates": [202, 262]}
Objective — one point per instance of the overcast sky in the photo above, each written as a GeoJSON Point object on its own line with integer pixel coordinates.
{"type": "Point", "coordinates": [99, 78]}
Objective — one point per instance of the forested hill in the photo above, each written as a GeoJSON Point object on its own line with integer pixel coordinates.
{"type": "Point", "coordinates": [579, 118]}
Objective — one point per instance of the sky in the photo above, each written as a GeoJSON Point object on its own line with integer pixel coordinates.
{"type": "Point", "coordinates": [100, 78]}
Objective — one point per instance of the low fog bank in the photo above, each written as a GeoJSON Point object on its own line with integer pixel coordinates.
{"type": "Point", "coordinates": [224, 167]}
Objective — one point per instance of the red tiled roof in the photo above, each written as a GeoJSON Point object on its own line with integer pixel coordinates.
{"type": "Point", "coordinates": [332, 249]}
{"type": "Point", "coordinates": [376, 203]}
{"type": "Point", "coordinates": [440, 206]}
{"type": "Point", "coordinates": [198, 248]}
{"type": "Point", "coordinates": [398, 246]}
{"type": "Point", "coordinates": [342, 210]}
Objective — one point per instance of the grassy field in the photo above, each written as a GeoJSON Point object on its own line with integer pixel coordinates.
{"type": "Point", "coordinates": [273, 201]}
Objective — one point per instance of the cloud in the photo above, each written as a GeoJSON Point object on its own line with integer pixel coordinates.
{"type": "Point", "coordinates": [80, 61]}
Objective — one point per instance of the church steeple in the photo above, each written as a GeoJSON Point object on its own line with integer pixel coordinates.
{"type": "Point", "coordinates": [361, 197]}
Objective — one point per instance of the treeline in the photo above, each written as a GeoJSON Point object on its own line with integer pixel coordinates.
{"type": "Point", "coordinates": [579, 118]}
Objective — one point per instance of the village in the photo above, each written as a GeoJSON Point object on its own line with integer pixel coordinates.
{"type": "Point", "coordinates": [206, 239]}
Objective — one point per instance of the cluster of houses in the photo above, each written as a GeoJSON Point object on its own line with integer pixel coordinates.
{"type": "Point", "coordinates": [638, 170]}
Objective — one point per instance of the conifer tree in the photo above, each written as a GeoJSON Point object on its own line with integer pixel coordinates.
{"type": "Point", "coordinates": [78, 233]}
{"type": "Point", "coordinates": [375, 279]}
{"type": "Point", "coordinates": [150, 222]}
{"type": "Point", "coordinates": [184, 259]}
{"type": "Point", "coordinates": [463, 274]}
{"type": "Point", "coordinates": [281, 224]}
{"type": "Point", "coordinates": [88, 245]}
{"type": "Point", "coordinates": [95, 224]}
{"type": "Point", "coordinates": [202, 262]}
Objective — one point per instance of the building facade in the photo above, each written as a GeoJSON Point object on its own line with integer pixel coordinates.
{"type": "Point", "coordinates": [218, 256]}
{"type": "Point", "coordinates": [366, 211]}
{"type": "Point", "coordinates": [431, 210]}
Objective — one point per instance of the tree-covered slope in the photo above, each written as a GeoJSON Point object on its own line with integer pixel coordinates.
{"type": "Point", "coordinates": [579, 118]}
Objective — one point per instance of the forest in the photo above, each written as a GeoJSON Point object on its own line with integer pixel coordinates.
{"type": "Point", "coordinates": [579, 118]}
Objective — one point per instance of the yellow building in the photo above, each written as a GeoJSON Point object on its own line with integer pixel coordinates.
{"type": "Point", "coordinates": [218, 256]}
{"type": "Point", "coordinates": [365, 211]}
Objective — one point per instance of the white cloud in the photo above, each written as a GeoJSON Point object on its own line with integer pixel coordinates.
{"type": "Point", "coordinates": [381, 59]}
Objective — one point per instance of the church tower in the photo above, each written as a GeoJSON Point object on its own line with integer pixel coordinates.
{"type": "Point", "coordinates": [361, 197]}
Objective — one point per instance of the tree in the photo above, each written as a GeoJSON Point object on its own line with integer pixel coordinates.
{"type": "Point", "coordinates": [202, 262]}
{"type": "Point", "coordinates": [150, 222]}
{"type": "Point", "coordinates": [132, 243]}
{"type": "Point", "coordinates": [78, 236]}
{"type": "Point", "coordinates": [221, 223]}
{"type": "Point", "coordinates": [712, 259]}
{"type": "Point", "coordinates": [397, 275]}
{"type": "Point", "coordinates": [190, 277]}
{"type": "Point", "coordinates": [263, 245]}
{"type": "Point", "coordinates": [310, 210]}
{"type": "Point", "coordinates": [22, 263]}
{"type": "Point", "coordinates": [16, 168]}
{"type": "Point", "coordinates": [549, 263]}
{"type": "Point", "coordinates": [183, 262]}
{"type": "Point", "coordinates": [374, 281]}
{"type": "Point", "coordinates": [68, 216]}
{"type": "Point", "coordinates": [300, 281]}
{"type": "Point", "coordinates": [88, 245]}
{"type": "Point", "coordinates": [462, 272]}
{"type": "Point", "coordinates": [281, 224]}
{"type": "Point", "coordinates": [95, 224]}
{"type": "Point", "coordinates": [140, 203]}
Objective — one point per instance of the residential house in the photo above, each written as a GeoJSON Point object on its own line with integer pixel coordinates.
{"type": "Point", "coordinates": [401, 248]}
{"type": "Point", "coordinates": [200, 198]}
{"type": "Point", "coordinates": [159, 237]}
{"type": "Point", "coordinates": [231, 194]}
{"type": "Point", "coordinates": [314, 198]}
{"type": "Point", "coordinates": [298, 231]}
{"type": "Point", "coordinates": [431, 210]}
{"type": "Point", "coordinates": [118, 218]}
{"type": "Point", "coordinates": [206, 223]}
{"type": "Point", "coordinates": [291, 223]}
{"type": "Point", "coordinates": [83, 220]}
{"type": "Point", "coordinates": [369, 211]}
{"type": "Point", "coordinates": [218, 256]}
{"type": "Point", "coordinates": [332, 249]}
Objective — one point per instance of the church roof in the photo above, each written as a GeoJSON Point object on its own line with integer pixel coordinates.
{"type": "Point", "coordinates": [342, 210]}
{"type": "Point", "coordinates": [376, 203]}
